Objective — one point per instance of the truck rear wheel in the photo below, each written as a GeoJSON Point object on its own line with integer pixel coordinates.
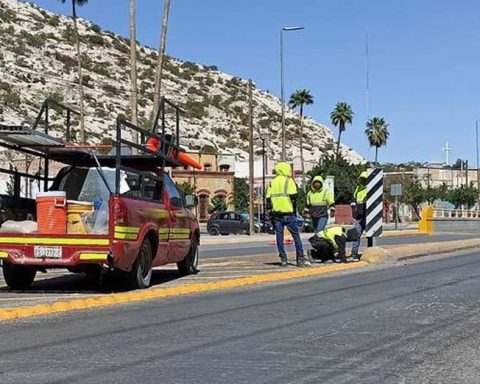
{"type": "Point", "coordinates": [18, 276]}
{"type": "Point", "coordinates": [188, 266]}
{"type": "Point", "coordinates": [141, 274]}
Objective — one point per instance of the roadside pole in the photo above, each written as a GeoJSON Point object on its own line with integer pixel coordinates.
{"type": "Point", "coordinates": [250, 160]}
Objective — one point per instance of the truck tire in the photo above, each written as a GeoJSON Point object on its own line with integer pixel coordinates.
{"type": "Point", "coordinates": [141, 274]}
{"type": "Point", "coordinates": [17, 276]}
{"type": "Point", "coordinates": [188, 266]}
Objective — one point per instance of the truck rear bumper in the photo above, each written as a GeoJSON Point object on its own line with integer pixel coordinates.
{"type": "Point", "coordinates": [85, 256]}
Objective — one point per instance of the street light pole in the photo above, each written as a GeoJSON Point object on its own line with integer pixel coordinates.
{"type": "Point", "coordinates": [264, 197]}
{"type": "Point", "coordinates": [478, 168]}
{"type": "Point", "coordinates": [282, 76]}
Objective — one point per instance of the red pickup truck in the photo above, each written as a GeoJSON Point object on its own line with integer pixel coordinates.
{"type": "Point", "coordinates": [140, 221]}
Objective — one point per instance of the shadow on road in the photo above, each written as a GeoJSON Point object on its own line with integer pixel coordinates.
{"type": "Point", "coordinates": [112, 282]}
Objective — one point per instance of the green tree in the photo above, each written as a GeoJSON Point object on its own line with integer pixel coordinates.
{"type": "Point", "coordinates": [464, 196]}
{"type": "Point", "coordinates": [341, 116]}
{"type": "Point", "coordinates": [299, 99]}
{"type": "Point", "coordinates": [414, 195]}
{"type": "Point", "coordinates": [240, 194]}
{"type": "Point", "coordinates": [346, 176]}
{"type": "Point", "coordinates": [377, 133]}
{"type": "Point", "coordinates": [186, 188]}
{"type": "Point", "coordinates": [217, 204]}
{"type": "Point", "coordinates": [79, 3]}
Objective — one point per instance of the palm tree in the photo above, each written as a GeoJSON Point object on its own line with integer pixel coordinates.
{"type": "Point", "coordinates": [133, 67]}
{"type": "Point", "coordinates": [299, 99]}
{"type": "Point", "coordinates": [341, 116]}
{"type": "Point", "coordinates": [79, 59]}
{"type": "Point", "coordinates": [161, 58]}
{"type": "Point", "coordinates": [377, 133]}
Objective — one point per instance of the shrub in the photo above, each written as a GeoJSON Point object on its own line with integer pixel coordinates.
{"type": "Point", "coordinates": [12, 99]}
{"type": "Point", "coordinates": [68, 34]}
{"type": "Point", "coordinates": [120, 46]}
{"type": "Point", "coordinates": [35, 40]}
{"type": "Point", "coordinates": [195, 109]}
{"type": "Point", "coordinates": [95, 28]}
{"type": "Point", "coordinates": [109, 89]}
{"type": "Point", "coordinates": [6, 87]}
{"type": "Point", "coordinates": [209, 82]}
{"type": "Point", "coordinates": [216, 100]}
{"type": "Point", "coordinates": [102, 69]}
{"type": "Point", "coordinates": [211, 68]}
{"type": "Point", "coordinates": [53, 21]}
{"type": "Point", "coordinates": [189, 66]}
{"type": "Point", "coordinates": [7, 15]}
{"type": "Point", "coordinates": [96, 40]}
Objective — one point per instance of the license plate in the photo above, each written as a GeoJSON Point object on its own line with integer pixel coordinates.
{"type": "Point", "coordinates": [47, 252]}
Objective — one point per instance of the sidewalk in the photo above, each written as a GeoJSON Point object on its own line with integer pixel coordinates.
{"type": "Point", "coordinates": [389, 231]}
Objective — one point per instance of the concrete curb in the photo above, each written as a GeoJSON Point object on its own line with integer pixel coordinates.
{"type": "Point", "coordinates": [378, 255]}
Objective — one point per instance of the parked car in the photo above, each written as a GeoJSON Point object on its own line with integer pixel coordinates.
{"type": "Point", "coordinates": [226, 223]}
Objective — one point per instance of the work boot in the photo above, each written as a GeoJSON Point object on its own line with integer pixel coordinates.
{"type": "Point", "coordinates": [284, 263]}
{"type": "Point", "coordinates": [302, 262]}
{"type": "Point", "coordinates": [309, 257]}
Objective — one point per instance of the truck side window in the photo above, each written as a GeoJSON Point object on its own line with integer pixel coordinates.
{"type": "Point", "coordinates": [152, 189]}
{"type": "Point", "coordinates": [173, 194]}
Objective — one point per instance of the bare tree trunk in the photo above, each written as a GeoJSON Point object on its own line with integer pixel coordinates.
{"type": "Point", "coordinates": [80, 76]}
{"type": "Point", "coordinates": [304, 184]}
{"type": "Point", "coordinates": [376, 155]}
{"type": "Point", "coordinates": [133, 68]}
{"type": "Point", "coordinates": [161, 55]}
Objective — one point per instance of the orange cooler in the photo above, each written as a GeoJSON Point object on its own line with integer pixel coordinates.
{"type": "Point", "coordinates": [52, 213]}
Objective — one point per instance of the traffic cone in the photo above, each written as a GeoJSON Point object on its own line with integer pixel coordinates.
{"type": "Point", "coordinates": [287, 238]}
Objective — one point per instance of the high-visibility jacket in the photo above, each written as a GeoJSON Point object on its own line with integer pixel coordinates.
{"type": "Point", "coordinates": [360, 197]}
{"type": "Point", "coordinates": [330, 233]}
{"type": "Point", "coordinates": [281, 188]}
{"type": "Point", "coordinates": [319, 200]}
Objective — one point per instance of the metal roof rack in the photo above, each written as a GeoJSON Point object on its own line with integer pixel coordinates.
{"type": "Point", "coordinates": [126, 155]}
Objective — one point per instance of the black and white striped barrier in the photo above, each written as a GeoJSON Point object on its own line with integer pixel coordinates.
{"type": "Point", "coordinates": [374, 206]}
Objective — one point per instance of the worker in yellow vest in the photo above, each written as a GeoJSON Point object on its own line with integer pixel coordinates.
{"type": "Point", "coordinates": [281, 202]}
{"type": "Point", "coordinates": [359, 212]}
{"type": "Point", "coordinates": [320, 204]}
{"type": "Point", "coordinates": [329, 244]}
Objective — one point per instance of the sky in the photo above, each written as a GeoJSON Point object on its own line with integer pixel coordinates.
{"type": "Point", "coordinates": [424, 59]}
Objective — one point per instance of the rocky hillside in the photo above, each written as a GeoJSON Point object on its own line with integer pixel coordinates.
{"type": "Point", "coordinates": [37, 60]}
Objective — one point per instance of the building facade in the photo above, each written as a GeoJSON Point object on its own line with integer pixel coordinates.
{"type": "Point", "coordinates": [214, 180]}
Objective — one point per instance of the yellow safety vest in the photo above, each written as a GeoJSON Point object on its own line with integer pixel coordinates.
{"type": "Point", "coordinates": [329, 234]}
{"type": "Point", "coordinates": [360, 195]}
{"type": "Point", "coordinates": [279, 193]}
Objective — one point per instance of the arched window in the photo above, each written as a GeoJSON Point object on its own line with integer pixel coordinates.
{"type": "Point", "coordinates": [224, 168]}
{"type": "Point", "coordinates": [207, 167]}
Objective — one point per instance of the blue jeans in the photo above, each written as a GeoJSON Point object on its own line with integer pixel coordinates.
{"type": "Point", "coordinates": [289, 221]}
{"type": "Point", "coordinates": [360, 227]}
{"type": "Point", "coordinates": [319, 223]}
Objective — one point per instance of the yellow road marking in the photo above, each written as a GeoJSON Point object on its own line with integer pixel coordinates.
{"type": "Point", "coordinates": [180, 290]}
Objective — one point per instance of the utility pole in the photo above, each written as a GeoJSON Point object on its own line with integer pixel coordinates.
{"type": "Point", "coordinates": [133, 68]}
{"type": "Point", "coordinates": [161, 56]}
{"type": "Point", "coordinates": [478, 168]}
{"type": "Point", "coordinates": [250, 159]}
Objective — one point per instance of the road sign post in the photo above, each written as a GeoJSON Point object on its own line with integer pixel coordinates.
{"type": "Point", "coordinates": [396, 190]}
{"type": "Point", "coordinates": [374, 206]}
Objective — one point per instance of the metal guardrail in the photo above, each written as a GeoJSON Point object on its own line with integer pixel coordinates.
{"type": "Point", "coordinates": [439, 213]}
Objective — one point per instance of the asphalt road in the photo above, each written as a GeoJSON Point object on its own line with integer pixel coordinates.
{"type": "Point", "coordinates": [260, 248]}
{"type": "Point", "coordinates": [415, 323]}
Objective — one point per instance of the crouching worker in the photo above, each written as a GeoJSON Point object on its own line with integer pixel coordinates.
{"type": "Point", "coordinates": [330, 243]}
